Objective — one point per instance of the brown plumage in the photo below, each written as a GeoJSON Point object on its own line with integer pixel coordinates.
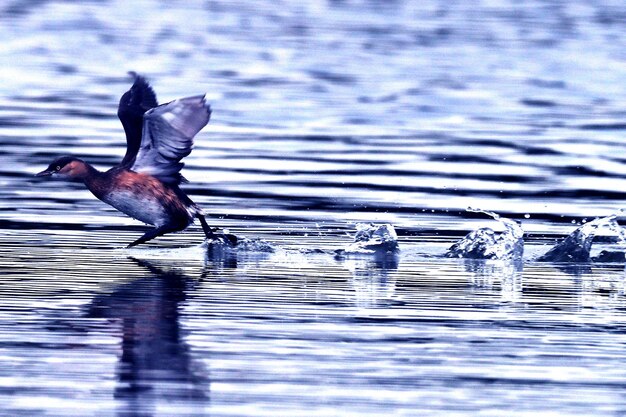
{"type": "Point", "coordinates": [145, 185]}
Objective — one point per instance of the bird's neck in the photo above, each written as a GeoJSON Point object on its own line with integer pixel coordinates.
{"type": "Point", "coordinates": [89, 175]}
{"type": "Point", "coordinates": [83, 171]}
{"type": "Point", "coordinates": [98, 182]}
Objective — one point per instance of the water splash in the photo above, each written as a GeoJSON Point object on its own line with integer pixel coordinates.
{"type": "Point", "coordinates": [485, 243]}
{"type": "Point", "coordinates": [254, 245]}
{"type": "Point", "coordinates": [239, 244]}
{"type": "Point", "coordinates": [577, 246]}
{"type": "Point", "coordinates": [371, 239]}
{"type": "Point", "coordinates": [607, 256]}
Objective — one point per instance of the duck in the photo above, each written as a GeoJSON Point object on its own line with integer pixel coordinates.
{"type": "Point", "coordinates": [145, 185]}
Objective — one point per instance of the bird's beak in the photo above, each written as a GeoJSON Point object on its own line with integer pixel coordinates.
{"type": "Point", "coordinates": [45, 173]}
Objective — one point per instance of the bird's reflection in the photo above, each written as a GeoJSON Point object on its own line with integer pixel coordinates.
{"type": "Point", "coordinates": [218, 259]}
{"type": "Point", "coordinates": [155, 370]}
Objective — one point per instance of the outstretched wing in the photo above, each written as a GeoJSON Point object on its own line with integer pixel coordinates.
{"type": "Point", "coordinates": [167, 137]}
{"type": "Point", "coordinates": [133, 104]}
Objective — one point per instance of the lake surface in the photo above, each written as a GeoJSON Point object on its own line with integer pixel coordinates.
{"type": "Point", "coordinates": [325, 114]}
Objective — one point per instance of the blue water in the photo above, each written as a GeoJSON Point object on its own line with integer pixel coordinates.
{"type": "Point", "coordinates": [325, 114]}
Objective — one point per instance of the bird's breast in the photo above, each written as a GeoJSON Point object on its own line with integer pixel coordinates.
{"type": "Point", "coordinates": [142, 197]}
{"type": "Point", "coordinates": [144, 207]}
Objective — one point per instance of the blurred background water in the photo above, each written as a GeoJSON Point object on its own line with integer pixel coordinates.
{"type": "Point", "coordinates": [326, 113]}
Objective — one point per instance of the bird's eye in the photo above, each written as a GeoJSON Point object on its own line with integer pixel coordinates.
{"type": "Point", "coordinates": [58, 168]}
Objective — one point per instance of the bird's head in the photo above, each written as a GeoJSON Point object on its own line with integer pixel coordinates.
{"type": "Point", "coordinates": [66, 166]}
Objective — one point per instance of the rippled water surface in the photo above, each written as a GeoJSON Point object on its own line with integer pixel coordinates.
{"type": "Point", "coordinates": [325, 114]}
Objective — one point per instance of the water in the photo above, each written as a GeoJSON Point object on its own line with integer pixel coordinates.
{"type": "Point", "coordinates": [326, 114]}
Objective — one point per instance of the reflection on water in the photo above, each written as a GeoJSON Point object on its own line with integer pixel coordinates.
{"type": "Point", "coordinates": [181, 332]}
{"type": "Point", "coordinates": [373, 285]}
{"type": "Point", "coordinates": [506, 273]}
{"type": "Point", "coordinates": [155, 371]}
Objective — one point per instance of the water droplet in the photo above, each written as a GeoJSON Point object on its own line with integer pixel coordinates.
{"type": "Point", "coordinates": [527, 216]}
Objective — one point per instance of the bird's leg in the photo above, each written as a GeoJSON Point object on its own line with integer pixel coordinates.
{"type": "Point", "coordinates": [227, 238]}
{"type": "Point", "coordinates": [208, 231]}
{"type": "Point", "coordinates": [151, 234]}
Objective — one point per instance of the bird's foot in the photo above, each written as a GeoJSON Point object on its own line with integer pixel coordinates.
{"type": "Point", "coordinates": [223, 239]}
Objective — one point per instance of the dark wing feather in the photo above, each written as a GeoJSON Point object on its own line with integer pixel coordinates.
{"type": "Point", "coordinates": [168, 132]}
{"type": "Point", "coordinates": [133, 104]}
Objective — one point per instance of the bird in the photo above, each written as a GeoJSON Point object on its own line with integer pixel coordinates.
{"type": "Point", "coordinates": [145, 185]}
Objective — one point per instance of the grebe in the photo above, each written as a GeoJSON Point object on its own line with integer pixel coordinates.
{"type": "Point", "coordinates": [145, 184]}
